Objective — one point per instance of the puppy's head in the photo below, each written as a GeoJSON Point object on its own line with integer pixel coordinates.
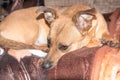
{"type": "Point", "coordinates": [69, 33]}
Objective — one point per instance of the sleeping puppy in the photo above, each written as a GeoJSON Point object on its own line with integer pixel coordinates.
{"type": "Point", "coordinates": [73, 28]}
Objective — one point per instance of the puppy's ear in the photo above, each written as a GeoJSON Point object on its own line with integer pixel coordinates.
{"type": "Point", "coordinates": [49, 14]}
{"type": "Point", "coordinates": [83, 19]}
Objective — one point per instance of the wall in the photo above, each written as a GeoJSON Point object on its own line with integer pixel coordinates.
{"type": "Point", "coordinates": [105, 6]}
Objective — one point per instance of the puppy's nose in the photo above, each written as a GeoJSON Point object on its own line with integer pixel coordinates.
{"type": "Point", "coordinates": [46, 64]}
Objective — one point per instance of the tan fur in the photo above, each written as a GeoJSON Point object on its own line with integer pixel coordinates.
{"type": "Point", "coordinates": [64, 32]}
{"type": "Point", "coordinates": [19, 54]}
{"type": "Point", "coordinates": [22, 26]}
{"type": "Point", "coordinates": [7, 43]}
{"type": "Point", "coordinates": [21, 29]}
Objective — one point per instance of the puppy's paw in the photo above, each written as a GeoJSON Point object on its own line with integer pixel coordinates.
{"type": "Point", "coordinates": [19, 54]}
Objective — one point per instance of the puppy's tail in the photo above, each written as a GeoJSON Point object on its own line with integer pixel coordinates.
{"type": "Point", "coordinates": [7, 43]}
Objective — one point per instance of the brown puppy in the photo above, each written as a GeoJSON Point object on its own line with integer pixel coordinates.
{"type": "Point", "coordinates": [73, 28]}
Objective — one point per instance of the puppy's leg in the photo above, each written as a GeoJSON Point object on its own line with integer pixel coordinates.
{"type": "Point", "coordinates": [19, 54]}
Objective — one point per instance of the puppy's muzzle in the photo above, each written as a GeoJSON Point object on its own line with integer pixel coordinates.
{"type": "Point", "coordinates": [47, 64]}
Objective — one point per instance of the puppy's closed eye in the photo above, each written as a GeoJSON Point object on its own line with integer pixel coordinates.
{"type": "Point", "coordinates": [62, 47]}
